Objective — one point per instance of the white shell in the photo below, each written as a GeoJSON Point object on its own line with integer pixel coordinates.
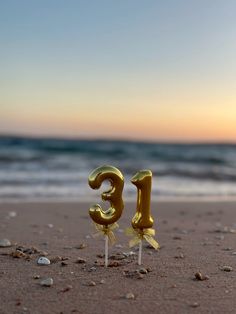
{"type": "Point", "coordinates": [43, 261]}
{"type": "Point", "coordinates": [5, 243]}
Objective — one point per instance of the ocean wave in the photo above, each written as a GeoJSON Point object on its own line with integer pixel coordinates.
{"type": "Point", "coordinates": [53, 167]}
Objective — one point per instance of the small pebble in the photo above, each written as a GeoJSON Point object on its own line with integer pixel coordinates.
{"type": "Point", "coordinates": [80, 260]}
{"type": "Point", "coordinates": [118, 256]}
{"type": "Point", "coordinates": [130, 296]}
{"type": "Point", "coordinates": [18, 254]}
{"type": "Point", "coordinates": [36, 277]}
{"type": "Point", "coordinates": [92, 283]}
{"type": "Point", "coordinates": [47, 282]}
{"type": "Point", "coordinates": [67, 288]}
{"type": "Point", "coordinates": [143, 271]}
{"type": "Point", "coordinates": [81, 246]}
{"type": "Point", "coordinates": [30, 250]}
{"type": "Point", "coordinates": [5, 243]}
{"type": "Point", "coordinates": [129, 254]}
{"type": "Point", "coordinates": [64, 258]}
{"type": "Point", "coordinates": [226, 268]}
{"type": "Point", "coordinates": [43, 253]}
{"type": "Point", "coordinates": [135, 274]}
{"type": "Point", "coordinates": [63, 263]}
{"type": "Point", "coordinates": [43, 261]}
{"type": "Point", "coordinates": [102, 281]}
{"type": "Point", "coordinates": [50, 225]}
{"type": "Point", "coordinates": [180, 256]}
{"type": "Point", "coordinates": [233, 253]}
{"type": "Point", "coordinates": [195, 304]}
{"type": "Point", "coordinates": [200, 276]}
{"type": "Point", "coordinates": [55, 259]}
{"type": "Point", "coordinates": [177, 238]}
{"type": "Point", "coordinates": [114, 264]}
{"type": "Point", "coordinates": [92, 269]}
{"type": "Point", "coordinates": [228, 249]}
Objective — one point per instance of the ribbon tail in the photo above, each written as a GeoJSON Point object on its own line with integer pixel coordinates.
{"type": "Point", "coordinates": [111, 237]}
{"type": "Point", "coordinates": [152, 241]}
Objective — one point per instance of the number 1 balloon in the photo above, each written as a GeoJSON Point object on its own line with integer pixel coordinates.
{"type": "Point", "coordinates": [142, 221]}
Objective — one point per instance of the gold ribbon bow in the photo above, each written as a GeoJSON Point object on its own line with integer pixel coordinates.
{"type": "Point", "coordinates": [140, 234]}
{"type": "Point", "coordinates": [106, 230]}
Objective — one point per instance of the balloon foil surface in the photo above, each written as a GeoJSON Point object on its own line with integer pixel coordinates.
{"type": "Point", "coordinates": [113, 195]}
{"type": "Point", "coordinates": [142, 218]}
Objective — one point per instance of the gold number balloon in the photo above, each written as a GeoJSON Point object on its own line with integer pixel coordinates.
{"type": "Point", "coordinates": [142, 218]}
{"type": "Point", "coordinates": [113, 195]}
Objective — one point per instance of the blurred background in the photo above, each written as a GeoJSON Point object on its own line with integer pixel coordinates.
{"type": "Point", "coordinates": [128, 83]}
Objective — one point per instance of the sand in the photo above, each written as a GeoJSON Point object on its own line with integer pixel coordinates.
{"type": "Point", "coordinates": [194, 237]}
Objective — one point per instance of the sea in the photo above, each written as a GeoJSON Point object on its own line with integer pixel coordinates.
{"type": "Point", "coordinates": [58, 169]}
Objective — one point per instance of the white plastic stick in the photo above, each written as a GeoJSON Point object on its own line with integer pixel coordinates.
{"type": "Point", "coordinates": [140, 253]}
{"type": "Point", "coordinates": [106, 250]}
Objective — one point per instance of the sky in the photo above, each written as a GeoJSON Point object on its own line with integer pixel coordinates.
{"type": "Point", "coordinates": [150, 70]}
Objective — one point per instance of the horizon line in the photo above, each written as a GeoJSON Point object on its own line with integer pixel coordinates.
{"type": "Point", "coordinates": [115, 139]}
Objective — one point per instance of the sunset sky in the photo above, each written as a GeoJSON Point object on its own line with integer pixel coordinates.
{"type": "Point", "coordinates": [152, 70]}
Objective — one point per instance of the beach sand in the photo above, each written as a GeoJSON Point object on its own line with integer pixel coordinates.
{"type": "Point", "coordinates": [194, 237]}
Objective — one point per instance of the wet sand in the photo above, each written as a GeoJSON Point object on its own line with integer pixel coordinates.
{"type": "Point", "coordinates": [194, 237]}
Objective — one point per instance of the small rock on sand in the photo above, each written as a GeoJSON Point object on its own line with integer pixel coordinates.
{"type": "Point", "coordinates": [43, 261]}
{"type": "Point", "coordinates": [194, 304]}
{"type": "Point", "coordinates": [92, 283]}
{"type": "Point", "coordinates": [143, 271]}
{"type": "Point", "coordinates": [19, 254]}
{"type": "Point", "coordinates": [92, 269]}
{"type": "Point", "coordinates": [67, 288]}
{"type": "Point", "coordinates": [129, 296]}
{"type": "Point", "coordinates": [5, 243]}
{"type": "Point", "coordinates": [81, 246]}
{"type": "Point", "coordinates": [180, 256]}
{"type": "Point", "coordinates": [80, 260]}
{"type": "Point", "coordinates": [200, 276]}
{"type": "Point", "coordinates": [36, 277]}
{"type": "Point", "coordinates": [226, 268]}
{"type": "Point", "coordinates": [47, 282]}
